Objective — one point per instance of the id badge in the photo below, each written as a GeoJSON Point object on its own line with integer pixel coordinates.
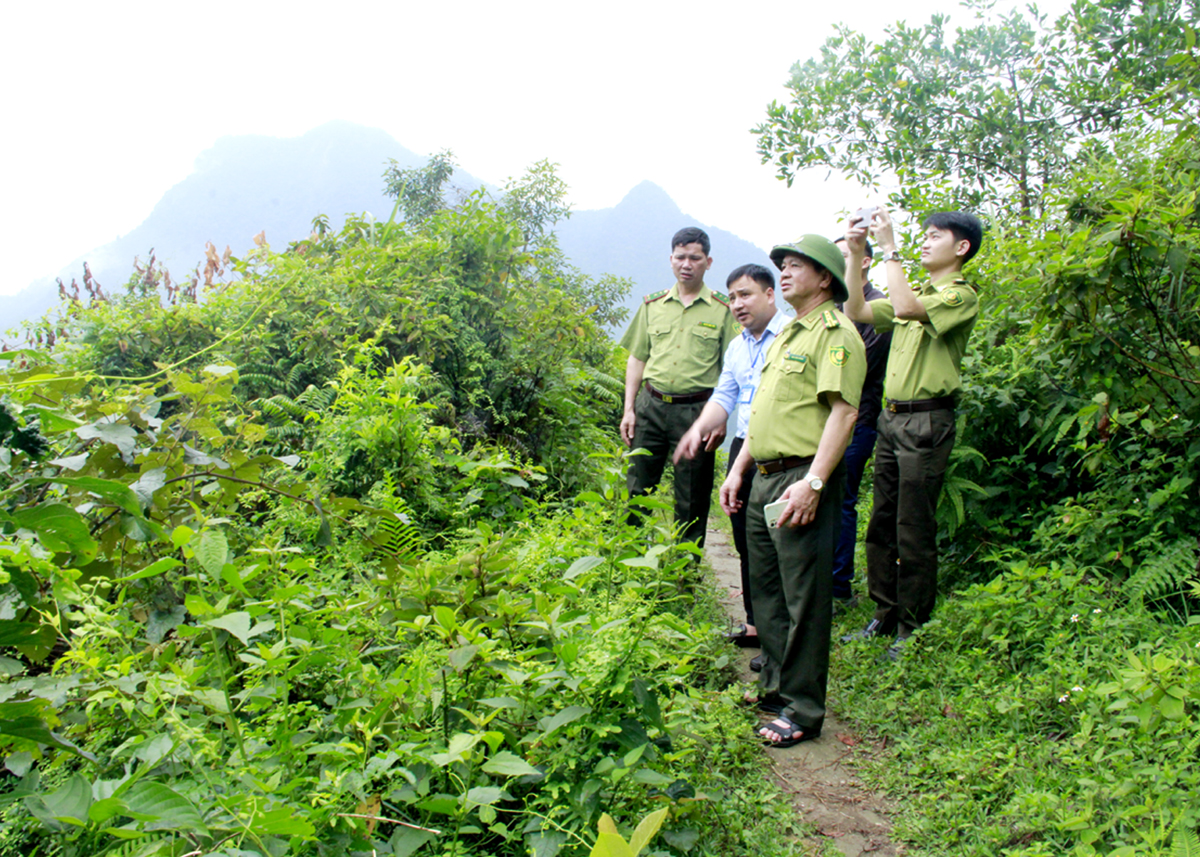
{"type": "Point", "coordinates": [746, 395]}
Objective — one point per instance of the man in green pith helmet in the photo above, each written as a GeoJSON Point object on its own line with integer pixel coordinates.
{"type": "Point", "coordinates": [801, 420]}
{"type": "Point", "coordinates": [931, 326]}
{"type": "Point", "coordinates": [675, 342]}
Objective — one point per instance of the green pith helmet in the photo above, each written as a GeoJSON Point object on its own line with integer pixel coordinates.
{"type": "Point", "coordinates": [819, 249]}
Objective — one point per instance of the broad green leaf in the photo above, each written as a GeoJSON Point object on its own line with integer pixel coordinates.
{"type": "Point", "coordinates": [117, 493]}
{"type": "Point", "coordinates": [53, 420]}
{"type": "Point", "coordinates": [485, 795]}
{"type": "Point", "coordinates": [646, 830]}
{"type": "Point", "coordinates": [171, 810]}
{"type": "Point", "coordinates": [651, 778]}
{"type": "Point", "coordinates": [213, 699]}
{"type": "Point", "coordinates": [14, 633]}
{"type": "Point", "coordinates": [58, 527]}
{"type": "Point", "coordinates": [568, 715]}
{"type": "Point", "coordinates": [70, 800]}
{"type": "Point", "coordinates": [34, 729]}
{"type": "Point", "coordinates": [19, 763]}
{"type": "Point", "coordinates": [102, 810]}
{"type": "Point", "coordinates": [154, 569]}
{"type": "Point", "coordinates": [683, 840]}
{"type": "Point", "coordinates": [611, 845]}
{"type": "Point", "coordinates": [281, 822]}
{"type": "Point", "coordinates": [508, 764]}
{"type": "Point", "coordinates": [123, 437]}
{"type": "Point", "coordinates": [237, 624]}
{"type": "Point", "coordinates": [405, 841]}
{"type": "Point", "coordinates": [71, 462]}
{"type": "Point", "coordinates": [460, 657]}
{"type": "Point", "coordinates": [546, 843]}
{"type": "Point", "coordinates": [581, 566]}
{"type": "Point", "coordinates": [445, 617]}
{"type": "Point", "coordinates": [212, 552]}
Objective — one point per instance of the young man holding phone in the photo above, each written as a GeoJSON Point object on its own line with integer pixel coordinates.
{"type": "Point", "coordinates": [930, 328]}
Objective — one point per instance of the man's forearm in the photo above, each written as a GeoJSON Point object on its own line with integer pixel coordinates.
{"type": "Point", "coordinates": [743, 462]}
{"type": "Point", "coordinates": [856, 308]}
{"type": "Point", "coordinates": [711, 418]}
{"type": "Point", "coordinates": [835, 437]}
{"type": "Point", "coordinates": [900, 293]}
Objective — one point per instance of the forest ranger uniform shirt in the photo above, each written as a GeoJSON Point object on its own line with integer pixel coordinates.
{"type": "Point", "coordinates": [926, 357]}
{"type": "Point", "coordinates": [811, 356]}
{"type": "Point", "coordinates": [681, 346]}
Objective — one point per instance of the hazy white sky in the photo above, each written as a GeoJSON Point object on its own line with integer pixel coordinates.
{"type": "Point", "coordinates": [106, 105]}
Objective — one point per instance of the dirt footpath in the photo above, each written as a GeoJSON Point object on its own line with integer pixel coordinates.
{"type": "Point", "coordinates": [818, 774]}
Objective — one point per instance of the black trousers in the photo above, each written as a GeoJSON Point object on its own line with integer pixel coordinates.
{"type": "Point", "coordinates": [791, 571]}
{"type": "Point", "coordinates": [911, 456]}
{"type": "Point", "coordinates": [658, 429]}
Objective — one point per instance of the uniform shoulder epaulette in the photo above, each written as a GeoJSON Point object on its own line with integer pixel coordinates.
{"type": "Point", "coordinates": [651, 298]}
{"type": "Point", "coordinates": [721, 299]}
{"type": "Point", "coordinates": [831, 320]}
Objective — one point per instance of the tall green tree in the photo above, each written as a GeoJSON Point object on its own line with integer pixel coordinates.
{"type": "Point", "coordinates": [992, 113]}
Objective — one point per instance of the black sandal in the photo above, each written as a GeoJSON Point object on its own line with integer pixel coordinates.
{"type": "Point", "coordinates": [791, 733]}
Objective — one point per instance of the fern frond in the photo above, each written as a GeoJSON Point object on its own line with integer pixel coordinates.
{"type": "Point", "coordinates": [1164, 574]}
{"type": "Point", "coordinates": [281, 407]}
{"type": "Point", "coordinates": [295, 379]}
{"type": "Point", "coordinates": [285, 432]}
{"type": "Point", "coordinates": [1185, 843]}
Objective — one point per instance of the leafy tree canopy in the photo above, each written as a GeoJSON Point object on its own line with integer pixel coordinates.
{"type": "Point", "coordinates": [998, 109]}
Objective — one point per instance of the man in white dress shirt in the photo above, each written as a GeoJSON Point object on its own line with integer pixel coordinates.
{"type": "Point", "coordinates": [752, 302]}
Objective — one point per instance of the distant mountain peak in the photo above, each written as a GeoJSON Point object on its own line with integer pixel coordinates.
{"type": "Point", "coordinates": [647, 194]}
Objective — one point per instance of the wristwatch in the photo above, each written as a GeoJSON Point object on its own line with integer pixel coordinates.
{"type": "Point", "coordinates": [814, 481]}
{"type": "Point", "coordinates": [894, 256]}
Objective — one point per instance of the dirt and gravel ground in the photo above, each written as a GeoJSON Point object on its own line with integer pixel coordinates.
{"type": "Point", "coordinates": [819, 775]}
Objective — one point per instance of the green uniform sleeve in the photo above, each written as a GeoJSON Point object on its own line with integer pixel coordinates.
{"type": "Point", "coordinates": [842, 366]}
{"type": "Point", "coordinates": [883, 315]}
{"type": "Point", "coordinates": [637, 338]}
{"type": "Point", "coordinates": [951, 307]}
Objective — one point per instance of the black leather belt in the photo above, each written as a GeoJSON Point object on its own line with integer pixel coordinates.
{"type": "Point", "coordinates": [944, 403]}
{"type": "Point", "coordinates": [777, 465]}
{"type": "Point", "coordinates": [686, 399]}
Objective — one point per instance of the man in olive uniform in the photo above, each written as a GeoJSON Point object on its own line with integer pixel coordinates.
{"type": "Point", "coordinates": [800, 422]}
{"type": "Point", "coordinates": [930, 327]}
{"type": "Point", "coordinates": [675, 343]}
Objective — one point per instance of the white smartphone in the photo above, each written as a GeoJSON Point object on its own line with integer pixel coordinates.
{"type": "Point", "coordinates": [772, 511]}
{"type": "Point", "coordinates": [865, 215]}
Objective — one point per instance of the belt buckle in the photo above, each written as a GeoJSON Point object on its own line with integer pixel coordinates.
{"type": "Point", "coordinates": [891, 406]}
{"type": "Point", "coordinates": [670, 400]}
{"type": "Point", "coordinates": [762, 470]}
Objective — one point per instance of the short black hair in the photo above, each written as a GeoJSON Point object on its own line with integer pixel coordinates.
{"type": "Point", "coordinates": [870, 252]}
{"type": "Point", "coordinates": [691, 235]}
{"type": "Point", "coordinates": [758, 273]}
{"type": "Point", "coordinates": [964, 227]}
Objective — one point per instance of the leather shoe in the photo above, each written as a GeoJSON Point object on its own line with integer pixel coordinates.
{"type": "Point", "coordinates": [756, 664]}
{"type": "Point", "coordinates": [874, 629]}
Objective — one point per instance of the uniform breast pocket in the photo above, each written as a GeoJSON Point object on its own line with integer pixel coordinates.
{"type": "Point", "coordinates": [792, 378]}
{"type": "Point", "coordinates": [659, 334]}
{"type": "Point", "coordinates": [706, 342]}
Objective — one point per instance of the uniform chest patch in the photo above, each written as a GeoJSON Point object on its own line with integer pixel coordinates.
{"type": "Point", "coordinates": [838, 355]}
{"type": "Point", "coordinates": [798, 358]}
{"type": "Point", "coordinates": [952, 297]}
{"type": "Point", "coordinates": [708, 324]}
